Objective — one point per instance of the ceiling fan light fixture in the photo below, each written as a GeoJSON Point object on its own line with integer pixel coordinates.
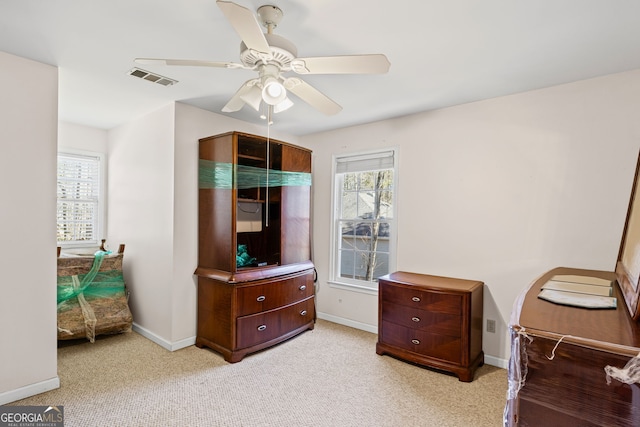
{"type": "Point", "coordinates": [273, 92]}
{"type": "Point", "coordinates": [284, 105]}
{"type": "Point", "coordinates": [253, 98]}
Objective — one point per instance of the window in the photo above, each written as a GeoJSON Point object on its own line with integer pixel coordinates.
{"type": "Point", "coordinates": [363, 246]}
{"type": "Point", "coordinates": [79, 212]}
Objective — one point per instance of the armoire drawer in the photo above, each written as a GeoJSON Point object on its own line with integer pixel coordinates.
{"type": "Point", "coordinates": [262, 327]}
{"type": "Point", "coordinates": [264, 295]}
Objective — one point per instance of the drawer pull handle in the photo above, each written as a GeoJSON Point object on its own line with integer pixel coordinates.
{"type": "Point", "coordinates": [303, 287]}
{"type": "Point", "coordinates": [303, 313]}
{"type": "Point", "coordinates": [415, 319]}
{"type": "Point", "coordinates": [416, 342]}
{"type": "Point", "coordinates": [415, 299]}
{"type": "Point", "coordinates": [262, 327]}
{"type": "Point", "coordinates": [261, 298]}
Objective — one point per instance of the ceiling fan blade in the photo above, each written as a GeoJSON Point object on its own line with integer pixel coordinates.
{"type": "Point", "coordinates": [237, 101]}
{"type": "Point", "coordinates": [187, 62]}
{"type": "Point", "coordinates": [348, 64]}
{"type": "Point", "coordinates": [246, 25]}
{"type": "Point", "coordinates": [312, 96]}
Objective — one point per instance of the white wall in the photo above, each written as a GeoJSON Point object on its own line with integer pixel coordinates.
{"type": "Point", "coordinates": [499, 190]}
{"type": "Point", "coordinates": [28, 135]}
{"type": "Point", "coordinates": [140, 213]}
{"type": "Point", "coordinates": [78, 137]}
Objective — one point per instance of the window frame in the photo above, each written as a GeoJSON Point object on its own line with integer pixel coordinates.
{"type": "Point", "coordinates": [357, 285]}
{"type": "Point", "coordinates": [100, 232]}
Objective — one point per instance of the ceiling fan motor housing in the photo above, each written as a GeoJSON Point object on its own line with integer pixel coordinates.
{"type": "Point", "coordinates": [282, 51]}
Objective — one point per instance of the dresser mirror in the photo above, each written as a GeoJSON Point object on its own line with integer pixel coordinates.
{"type": "Point", "coordinates": [628, 265]}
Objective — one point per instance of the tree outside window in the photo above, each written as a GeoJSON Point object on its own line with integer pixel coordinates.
{"type": "Point", "coordinates": [364, 227]}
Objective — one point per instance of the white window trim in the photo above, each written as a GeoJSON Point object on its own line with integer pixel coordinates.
{"type": "Point", "coordinates": [102, 206]}
{"type": "Point", "coordinates": [354, 285]}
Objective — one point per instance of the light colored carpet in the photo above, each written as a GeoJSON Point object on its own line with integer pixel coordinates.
{"type": "Point", "coordinates": [330, 376]}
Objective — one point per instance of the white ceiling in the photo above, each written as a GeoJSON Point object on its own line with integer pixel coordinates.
{"type": "Point", "coordinates": [442, 52]}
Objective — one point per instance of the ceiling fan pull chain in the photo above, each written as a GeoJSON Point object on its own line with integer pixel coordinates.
{"type": "Point", "coordinates": [266, 198]}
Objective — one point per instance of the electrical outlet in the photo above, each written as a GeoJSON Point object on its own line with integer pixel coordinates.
{"type": "Point", "coordinates": [491, 325]}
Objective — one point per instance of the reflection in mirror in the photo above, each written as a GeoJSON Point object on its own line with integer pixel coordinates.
{"type": "Point", "coordinates": [631, 251]}
{"type": "Point", "coordinates": [628, 266]}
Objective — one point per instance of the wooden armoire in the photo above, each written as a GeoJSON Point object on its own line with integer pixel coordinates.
{"type": "Point", "coordinates": [255, 275]}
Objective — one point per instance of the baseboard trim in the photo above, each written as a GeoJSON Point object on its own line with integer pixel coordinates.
{"type": "Point", "coordinates": [187, 342]}
{"type": "Point", "coordinates": [348, 322]}
{"type": "Point", "coordinates": [168, 345]}
{"type": "Point", "coordinates": [489, 360]}
{"type": "Point", "coordinates": [29, 390]}
{"type": "Point", "coordinates": [496, 361]}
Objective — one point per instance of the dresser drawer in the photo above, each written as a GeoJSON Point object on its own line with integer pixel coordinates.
{"type": "Point", "coordinates": [423, 342]}
{"type": "Point", "coordinates": [437, 323]}
{"type": "Point", "coordinates": [262, 327]}
{"type": "Point", "coordinates": [264, 296]}
{"type": "Point", "coordinates": [431, 320]}
{"type": "Point", "coordinates": [437, 302]}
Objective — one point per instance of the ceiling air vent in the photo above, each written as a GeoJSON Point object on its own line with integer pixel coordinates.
{"type": "Point", "coordinates": [152, 77]}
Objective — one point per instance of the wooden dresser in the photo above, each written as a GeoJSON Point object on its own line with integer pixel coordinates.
{"type": "Point", "coordinates": [433, 321]}
{"type": "Point", "coordinates": [238, 319]}
{"type": "Point", "coordinates": [558, 358]}
{"type": "Point", "coordinates": [255, 275]}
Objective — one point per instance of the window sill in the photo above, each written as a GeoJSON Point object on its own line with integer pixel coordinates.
{"type": "Point", "coordinates": [354, 287]}
{"type": "Point", "coordinates": [79, 250]}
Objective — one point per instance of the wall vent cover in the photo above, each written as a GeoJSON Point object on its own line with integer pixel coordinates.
{"type": "Point", "coordinates": [152, 77]}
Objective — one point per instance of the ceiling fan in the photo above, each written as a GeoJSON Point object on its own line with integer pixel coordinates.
{"type": "Point", "coordinates": [271, 56]}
